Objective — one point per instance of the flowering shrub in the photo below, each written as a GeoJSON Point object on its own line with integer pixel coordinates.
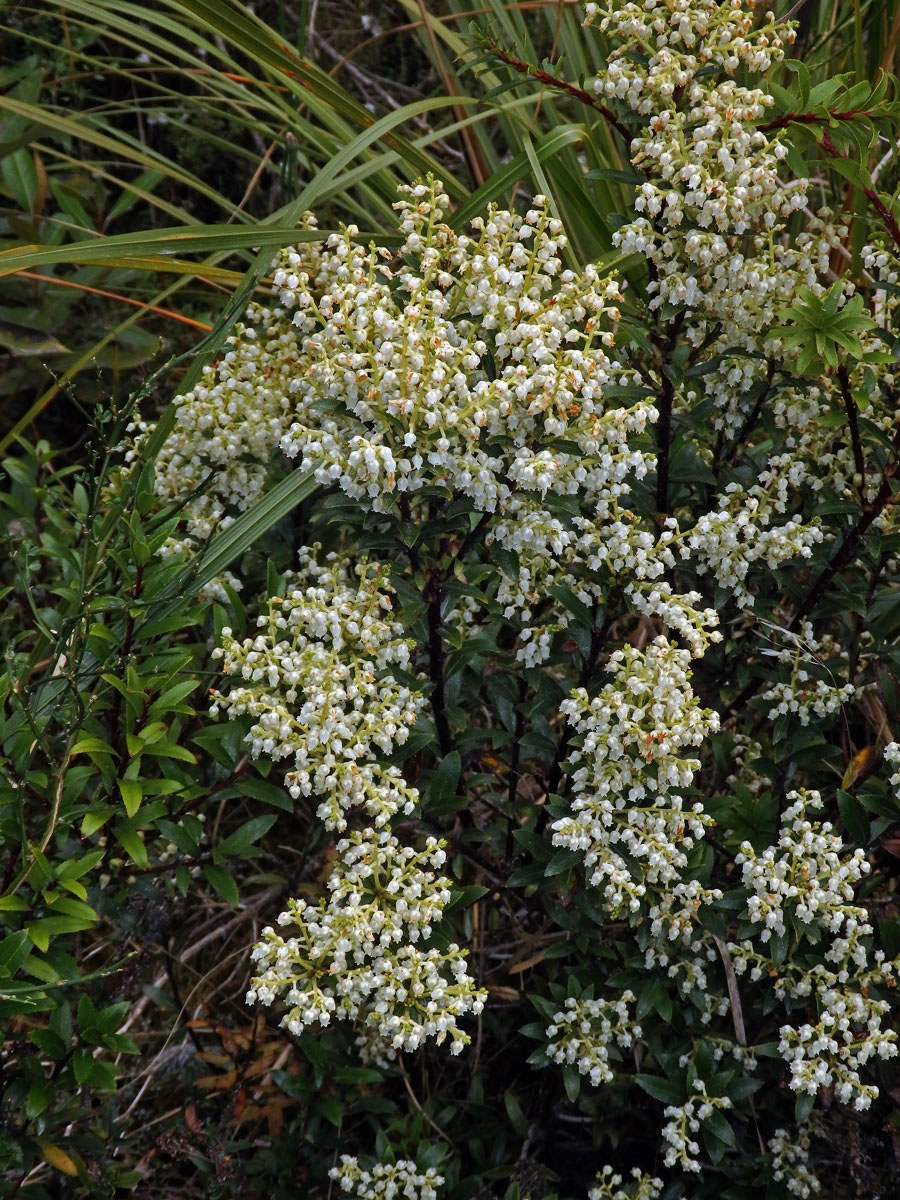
{"type": "Point", "coordinates": [596, 611]}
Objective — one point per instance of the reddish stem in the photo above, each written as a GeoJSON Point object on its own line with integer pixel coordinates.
{"type": "Point", "coordinates": [887, 217]}
{"type": "Point", "coordinates": [562, 85]}
{"type": "Point", "coordinates": [812, 118]}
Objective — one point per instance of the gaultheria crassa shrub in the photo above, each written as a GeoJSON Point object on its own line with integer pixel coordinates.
{"type": "Point", "coordinates": [587, 666]}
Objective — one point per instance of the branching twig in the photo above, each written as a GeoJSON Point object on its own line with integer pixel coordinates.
{"type": "Point", "coordinates": [812, 118]}
{"type": "Point", "coordinates": [859, 460]}
{"type": "Point", "coordinates": [563, 85]}
{"type": "Point", "coordinates": [887, 217]}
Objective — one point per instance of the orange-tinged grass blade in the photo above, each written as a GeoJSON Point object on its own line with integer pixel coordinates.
{"type": "Point", "coordinates": [83, 287]}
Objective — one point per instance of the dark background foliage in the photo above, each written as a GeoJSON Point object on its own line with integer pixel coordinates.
{"type": "Point", "coordinates": [140, 850]}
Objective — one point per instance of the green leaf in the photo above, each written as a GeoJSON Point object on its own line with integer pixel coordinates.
{"type": "Point", "coordinates": [82, 1065]}
{"type": "Point", "coordinates": [223, 884]}
{"type": "Point", "coordinates": [21, 178]}
{"type": "Point", "coordinates": [39, 1098]}
{"type": "Point", "coordinates": [171, 699]}
{"type": "Point", "coordinates": [133, 845]}
{"type": "Point", "coordinates": [242, 839]}
{"type": "Point", "coordinates": [72, 907]}
{"type": "Point", "coordinates": [91, 746]}
{"type": "Point", "coordinates": [168, 750]}
{"type": "Point", "coordinates": [445, 779]}
{"type": "Point", "coordinates": [719, 1127]}
{"type": "Point", "coordinates": [463, 897]}
{"type": "Point", "coordinates": [563, 860]}
{"type": "Point", "coordinates": [740, 1089]}
{"type": "Point", "coordinates": [661, 1089]}
{"type": "Point", "coordinates": [266, 792]}
{"type": "Point", "coordinates": [132, 794]}
{"type": "Point", "coordinates": [96, 819]}
{"type": "Point", "coordinates": [87, 1016]}
{"type": "Point", "coordinates": [854, 817]}
{"type": "Point", "coordinates": [571, 1081]}
{"type": "Point", "coordinates": [14, 949]}
{"type": "Point", "coordinates": [41, 931]}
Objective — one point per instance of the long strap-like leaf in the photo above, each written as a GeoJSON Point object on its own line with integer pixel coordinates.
{"type": "Point", "coordinates": [227, 547]}
{"type": "Point", "coordinates": [287, 216]}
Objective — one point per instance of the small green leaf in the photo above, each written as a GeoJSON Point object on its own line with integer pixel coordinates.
{"type": "Point", "coordinates": [660, 1088]}
{"type": "Point", "coordinates": [14, 949]}
{"type": "Point", "coordinates": [39, 1098]}
{"type": "Point", "coordinates": [82, 1065]}
{"type": "Point", "coordinates": [563, 860]}
{"type": "Point", "coordinates": [445, 779]}
{"type": "Point", "coordinates": [132, 794]}
{"type": "Point", "coordinates": [242, 839]}
{"type": "Point", "coordinates": [91, 746]}
{"type": "Point", "coordinates": [133, 845]}
{"type": "Point", "coordinates": [571, 1082]}
{"type": "Point", "coordinates": [223, 884]}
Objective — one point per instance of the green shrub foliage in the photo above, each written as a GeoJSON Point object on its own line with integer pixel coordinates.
{"type": "Point", "coordinates": [573, 690]}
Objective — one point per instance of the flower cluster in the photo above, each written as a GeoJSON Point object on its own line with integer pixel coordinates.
{"type": "Point", "coordinates": [408, 369]}
{"type": "Point", "coordinates": [747, 529]}
{"type": "Point", "coordinates": [353, 956]}
{"type": "Point", "coordinates": [401, 1180]}
{"type": "Point", "coordinates": [318, 681]}
{"type": "Point", "coordinates": [611, 1186]}
{"type": "Point", "coordinates": [848, 1035]}
{"type": "Point", "coordinates": [586, 1030]}
{"type": "Point", "coordinates": [804, 695]}
{"type": "Point", "coordinates": [683, 1121]}
{"type": "Point", "coordinates": [319, 686]}
{"type": "Point", "coordinates": [710, 173]}
{"type": "Point", "coordinates": [805, 880]}
{"type": "Point", "coordinates": [790, 1163]}
{"type": "Point", "coordinates": [806, 877]}
{"type": "Point", "coordinates": [627, 817]}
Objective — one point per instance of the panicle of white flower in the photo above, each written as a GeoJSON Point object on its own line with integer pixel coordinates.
{"type": "Point", "coordinates": [683, 1121]}
{"type": "Point", "coordinates": [679, 613]}
{"type": "Point", "coordinates": [820, 1057]}
{"type": "Point", "coordinates": [790, 1162]}
{"type": "Point", "coordinates": [318, 680]}
{"type": "Point", "coordinates": [625, 806]}
{"type": "Point", "coordinates": [808, 879]}
{"type": "Point", "coordinates": [373, 1049]}
{"type": "Point", "coordinates": [614, 542]}
{"type": "Point", "coordinates": [585, 1031]}
{"type": "Point", "coordinates": [610, 1185]}
{"type": "Point", "coordinates": [709, 171]}
{"type": "Point", "coordinates": [401, 1180]}
{"type": "Point", "coordinates": [691, 36]}
{"type": "Point", "coordinates": [394, 389]}
{"type": "Point", "coordinates": [748, 529]}
{"type": "Point", "coordinates": [351, 956]}
{"type": "Point", "coordinates": [805, 695]}
{"type": "Point", "coordinates": [709, 203]}
{"type": "Point", "coordinates": [745, 751]}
